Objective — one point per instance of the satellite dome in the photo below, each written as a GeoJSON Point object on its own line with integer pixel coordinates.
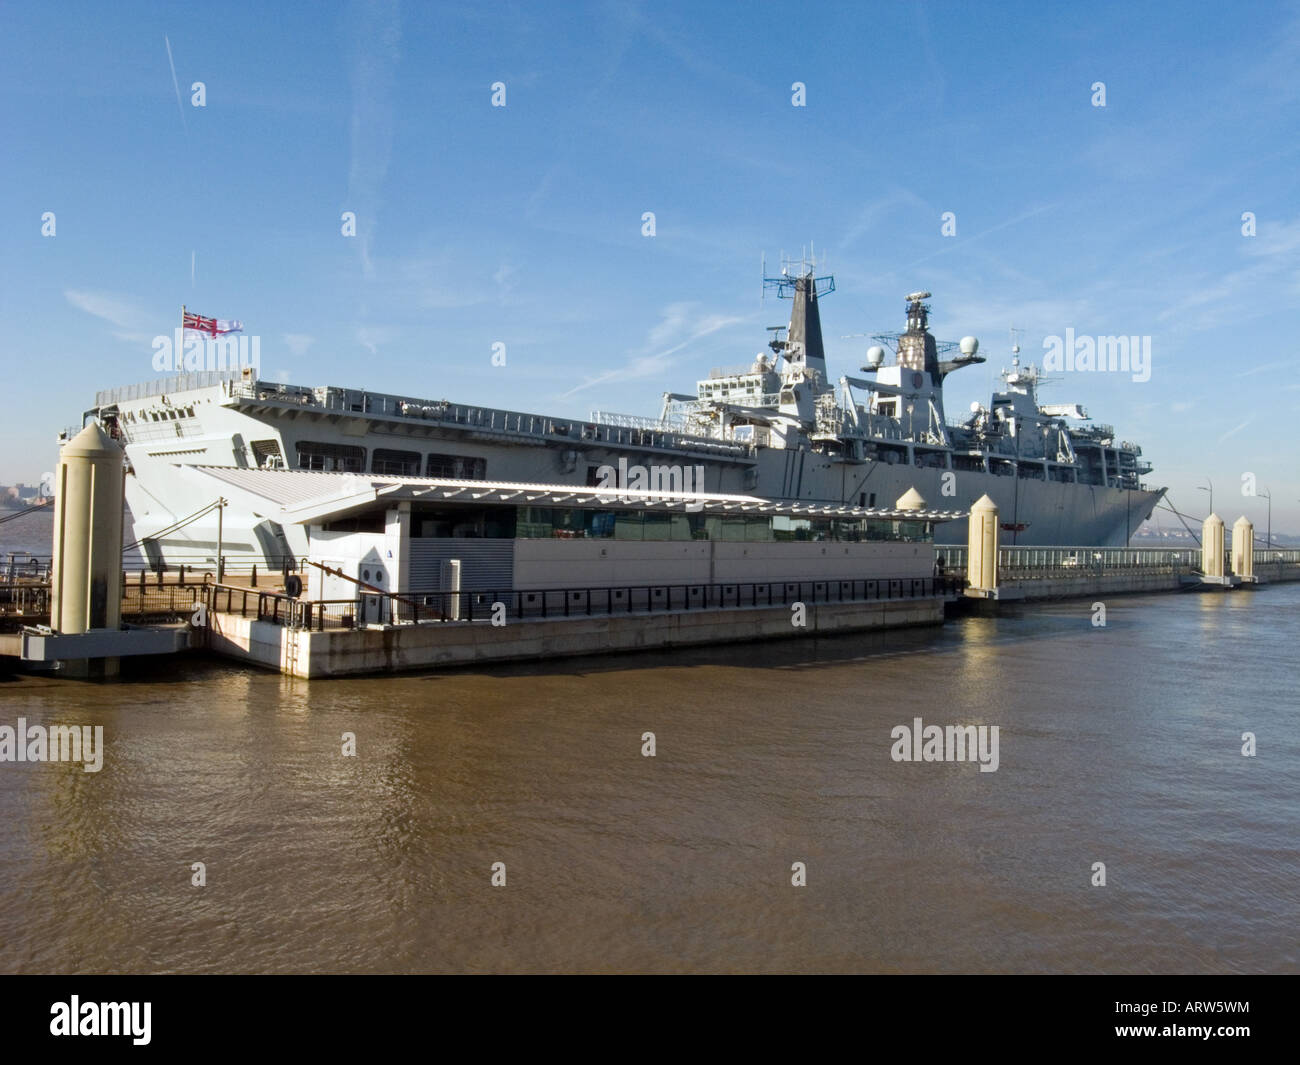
{"type": "Point", "coordinates": [969, 345]}
{"type": "Point", "coordinates": [975, 406]}
{"type": "Point", "coordinates": [875, 356]}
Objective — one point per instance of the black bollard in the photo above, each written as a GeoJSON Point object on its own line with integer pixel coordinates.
{"type": "Point", "coordinates": [253, 583]}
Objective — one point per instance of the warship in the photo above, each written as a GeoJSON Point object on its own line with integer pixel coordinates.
{"type": "Point", "coordinates": [777, 429]}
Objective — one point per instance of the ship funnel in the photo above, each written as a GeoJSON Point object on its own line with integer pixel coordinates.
{"type": "Point", "coordinates": [805, 334]}
{"type": "Point", "coordinates": [802, 346]}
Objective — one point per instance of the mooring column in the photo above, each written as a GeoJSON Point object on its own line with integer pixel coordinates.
{"type": "Point", "coordinates": [451, 585]}
{"type": "Point", "coordinates": [86, 570]}
{"type": "Point", "coordinates": [1212, 546]}
{"type": "Point", "coordinates": [1243, 548]}
{"type": "Point", "coordinates": [982, 546]}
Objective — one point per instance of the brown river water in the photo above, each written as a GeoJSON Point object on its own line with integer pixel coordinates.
{"type": "Point", "coordinates": [1120, 745]}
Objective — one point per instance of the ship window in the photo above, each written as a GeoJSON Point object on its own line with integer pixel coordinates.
{"type": "Point", "coordinates": [656, 525]}
{"type": "Point", "coordinates": [364, 523]}
{"type": "Point", "coordinates": [396, 463]}
{"type": "Point", "coordinates": [785, 527]}
{"type": "Point", "coordinates": [456, 467]}
{"type": "Point", "coordinates": [346, 458]}
{"type": "Point", "coordinates": [457, 521]}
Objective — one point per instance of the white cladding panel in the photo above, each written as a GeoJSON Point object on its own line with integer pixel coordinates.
{"type": "Point", "coordinates": [614, 563]}
{"type": "Point", "coordinates": [610, 563]}
{"type": "Point", "coordinates": [816, 561]}
{"type": "Point", "coordinates": [361, 556]}
{"type": "Point", "coordinates": [484, 564]}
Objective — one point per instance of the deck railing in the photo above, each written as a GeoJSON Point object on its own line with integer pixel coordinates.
{"type": "Point", "coordinates": [485, 606]}
{"type": "Point", "coordinates": [172, 602]}
{"type": "Point", "coordinates": [1040, 563]}
{"type": "Point", "coordinates": [487, 420]}
{"type": "Point", "coordinates": [1032, 563]}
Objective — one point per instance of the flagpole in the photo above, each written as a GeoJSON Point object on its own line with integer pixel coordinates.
{"type": "Point", "coordinates": [180, 361]}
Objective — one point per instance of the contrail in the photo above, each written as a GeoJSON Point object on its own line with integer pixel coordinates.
{"type": "Point", "coordinates": [175, 83]}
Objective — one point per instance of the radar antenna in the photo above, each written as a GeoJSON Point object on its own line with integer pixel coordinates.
{"type": "Point", "coordinates": [794, 270]}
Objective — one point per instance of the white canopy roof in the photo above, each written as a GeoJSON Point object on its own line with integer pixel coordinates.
{"type": "Point", "coordinates": [311, 497]}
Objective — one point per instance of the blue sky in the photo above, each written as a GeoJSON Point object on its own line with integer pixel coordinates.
{"type": "Point", "coordinates": [522, 224]}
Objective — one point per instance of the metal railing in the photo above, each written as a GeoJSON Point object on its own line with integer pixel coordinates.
{"type": "Point", "coordinates": [171, 602]}
{"type": "Point", "coordinates": [192, 567]}
{"type": "Point", "coordinates": [30, 598]}
{"type": "Point", "coordinates": [1029, 563]}
{"type": "Point", "coordinates": [20, 566]}
{"type": "Point", "coordinates": [275, 607]}
{"type": "Point", "coordinates": [632, 421]}
{"type": "Point", "coordinates": [1037, 563]}
{"type": "Point", "coordinates": [489, 420]}
{"type": "Point", "coordinates": [1268, 556]}
{"type": "Point", "coordinates": [481, 605]}
{"type": "Point", "coordinates": [163, 385]}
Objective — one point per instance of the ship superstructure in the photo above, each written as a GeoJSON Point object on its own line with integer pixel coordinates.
{"type": "Point", "coordinates": [776, 429]}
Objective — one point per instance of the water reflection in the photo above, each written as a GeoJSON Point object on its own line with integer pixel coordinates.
{"type": "Point", "coordinates": [1119, 744]}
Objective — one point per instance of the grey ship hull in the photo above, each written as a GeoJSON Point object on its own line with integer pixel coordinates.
{"type": "Point", "coordinates": [160, 490]}
{"type": "Point", "coordinates": [1051, 514]}
{"type": "Point", "coordinates": [784, 436]}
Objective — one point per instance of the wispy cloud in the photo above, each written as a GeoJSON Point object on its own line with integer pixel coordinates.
{"type": "Point", "coordinates": [371, 337]}
{"type": "Point", "coordinates": [374, 31]}
{"type": "Point", "coordinates": [1269, 265]}
{"type": "Point", "coordinates": [1235, 430]}
{"type": "Point", "coordinates": [180, 105]}
{"type": "Point", "coordinates": [1267, 367]}
{"type": "Point", "coordinates": [953, 243]}
{"type": "Point", "coordinates": [879, 210]}
{"type": "Point", "coordinates": [681, 325]}
{"type": "Point", "coordinates": [130, 320]}
{"type": "Point", "coordinates": [298, 343]}
{"type": "Point", "coordinates": [504, 279]}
